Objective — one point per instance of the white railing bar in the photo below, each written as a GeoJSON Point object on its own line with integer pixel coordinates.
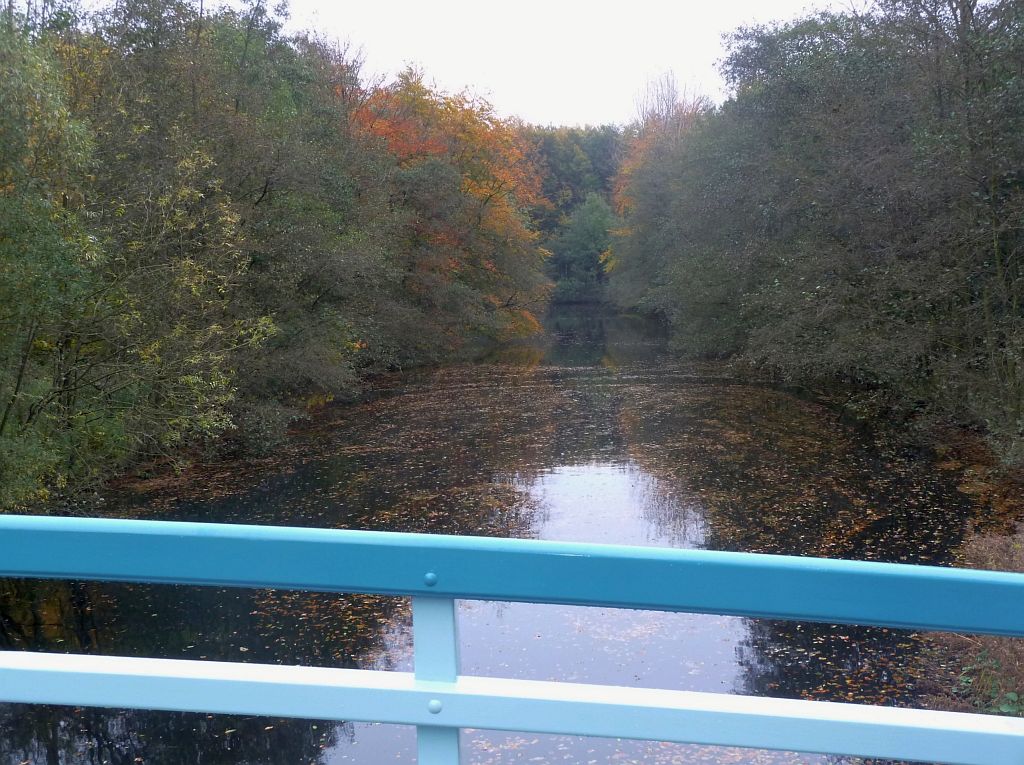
{"type": "Point", "coordinates": [519, 705]}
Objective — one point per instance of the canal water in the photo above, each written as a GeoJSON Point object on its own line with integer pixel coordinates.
{"type": "Point", "coordinates": [591, 434]}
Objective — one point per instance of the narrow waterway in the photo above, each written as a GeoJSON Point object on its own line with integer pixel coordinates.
{"type": "Point", "coordinates": [591, 434]}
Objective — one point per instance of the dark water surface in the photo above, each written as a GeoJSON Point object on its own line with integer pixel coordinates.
{"type": "Point", "coordinates": [590, 435]}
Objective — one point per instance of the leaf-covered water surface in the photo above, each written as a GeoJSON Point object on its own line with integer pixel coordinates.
{"type": "Point", "coordinates": [590, 435]}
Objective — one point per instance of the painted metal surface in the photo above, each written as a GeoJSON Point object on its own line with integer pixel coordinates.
{"type": "Point", "coordinates": [700, 581]}
{"type": "Point", "coordinates": [501, 704]}
{"type": "Point", "coordinates": [436, 569]}
{"type": "Point", "coordinates": [435, 660]}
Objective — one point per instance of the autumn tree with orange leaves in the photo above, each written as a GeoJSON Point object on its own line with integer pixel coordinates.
{"type": "Point", "coordinates": [467, 179]}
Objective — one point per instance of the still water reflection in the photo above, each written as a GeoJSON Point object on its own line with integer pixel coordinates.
{"type": "Point", "coordinates": [589, 435]}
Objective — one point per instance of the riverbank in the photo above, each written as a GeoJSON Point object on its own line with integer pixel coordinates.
{"type": "Point", "coordinates": [981, 673]}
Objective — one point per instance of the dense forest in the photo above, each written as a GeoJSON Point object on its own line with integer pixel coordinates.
{"type": "Point", "coordinates": [577, 223]}
{"type": "Point", "coordinates": [852, 217]}
{"type": "Point", "coordinates": [211, 226]}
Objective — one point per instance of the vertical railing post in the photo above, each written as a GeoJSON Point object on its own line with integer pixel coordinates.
{"type": "Point", "coordinates": [436, 659]}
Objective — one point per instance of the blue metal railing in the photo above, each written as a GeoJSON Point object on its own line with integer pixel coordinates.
{"type": "Point", "coordinates": [437, 570]}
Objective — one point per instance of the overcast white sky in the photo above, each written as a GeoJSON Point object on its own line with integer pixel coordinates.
{"type": "Point", "coordinates": [559, 62]}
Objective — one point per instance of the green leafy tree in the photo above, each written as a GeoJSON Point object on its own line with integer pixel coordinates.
{"type": "Point", "coordinates": [581, 250]}
{"type": "Point", "coordinates": [46, 266]}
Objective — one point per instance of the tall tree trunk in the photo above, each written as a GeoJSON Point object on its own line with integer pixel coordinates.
{"type": "Point", "coordinates": [20, 379]}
